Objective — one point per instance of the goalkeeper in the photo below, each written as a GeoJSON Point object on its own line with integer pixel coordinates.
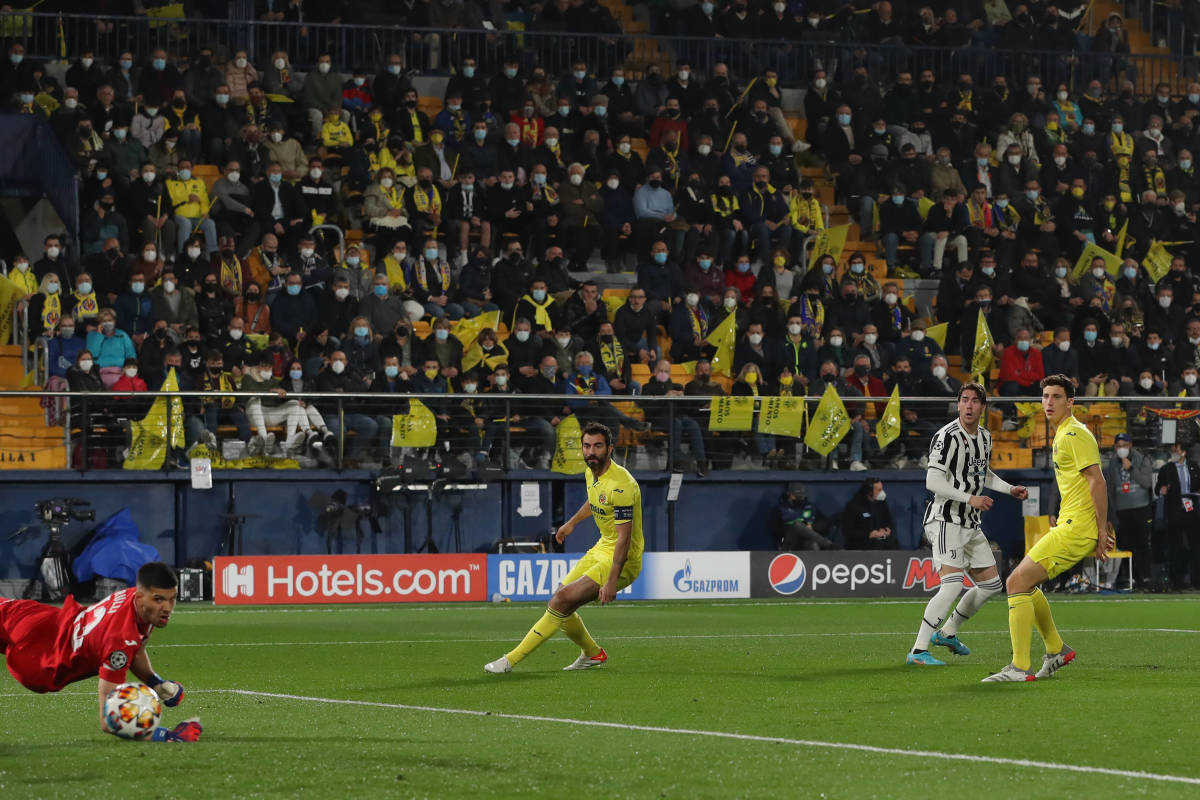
{"type": "Point", "coordinates": [48, 648]}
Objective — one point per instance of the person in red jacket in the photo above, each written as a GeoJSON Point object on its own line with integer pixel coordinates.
{"type": "Point", "coordinates": [1021, 367]}
{"type": "Point", "coordinates": [741, 278]}
{"type": "Point", "coordinates": [864, 416]}
{"type": "Point", "coordinates": [129, 380]}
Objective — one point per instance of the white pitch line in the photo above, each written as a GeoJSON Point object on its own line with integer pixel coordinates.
{"type": "Point", "coordinates": [640, 604]}
{"type": "Point", "coordinates": [812, 743]}
{"type": "Point", "coordinates": [658, 637]}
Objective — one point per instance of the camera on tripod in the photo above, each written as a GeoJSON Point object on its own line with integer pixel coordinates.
{"type": "Point", "coordinates": [62, 510]}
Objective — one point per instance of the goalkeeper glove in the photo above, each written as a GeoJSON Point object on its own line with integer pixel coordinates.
{"type": "Point", "coordinates": [187, 731]}
{"type": "Point", "coordinates": [169, 692]}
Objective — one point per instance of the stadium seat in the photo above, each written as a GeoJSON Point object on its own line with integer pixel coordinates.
{"type": "Point", "coordinates": [1114, 554]}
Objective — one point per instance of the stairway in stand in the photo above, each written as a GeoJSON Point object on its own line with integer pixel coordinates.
{"type": "Point", "coordinates": [26, 442]}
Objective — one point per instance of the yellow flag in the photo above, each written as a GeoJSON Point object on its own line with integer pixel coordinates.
{"type": "Point", "coordinates": [218, 461]}
{"type": "Point", "coordinates": [1091, 251]}
{"type": "Point", "coordinates": [829, 425]}
{"type": "Point", "coordinates": [1121, 238]}
{"type": "Point", "coordinates": [1030, 414]}
{"type": "Point", "coordinates": [887, 429]}
{"type": "Point", "coordinates": [923, 207]}
{"type": "Point", "coordinates": [1157, 262]}
{"type": "Point", "coordinates": [417, 428]}
{"type": "Point", "coordinates": [731, 414]}
{"type": "Point", "coordinates": [467, 329]}
{"type": "Point", "coordinates": [829, 241]}
{"type": "Point", "coordinates": [782, 416]}
{"type": "Point", "coordinates": [938, 333]}
{"type": "Point", "coordinates": [722, 337]}
{"type": "Point", "coordinates": [148, 448]}
{"type": "Point", "coordinates": [568, 451]}
{"type": "Point", "coordinates": [10, 295]}
{"type": "Point", "coordinates": [981, 359]}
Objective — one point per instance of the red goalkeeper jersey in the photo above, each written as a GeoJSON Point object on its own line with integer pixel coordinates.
{"type": "Point", "coordinates": [48, 648]}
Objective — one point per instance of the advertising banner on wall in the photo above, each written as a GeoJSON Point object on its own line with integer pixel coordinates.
{"type": "Point", "coordinates": [685, 576]}
{"type": "Point", "coordinates": [535, 576]}
{"type": "Point", "coordinates": [894, 573]}
{"type": "Point", "coordinates": [256, 580]}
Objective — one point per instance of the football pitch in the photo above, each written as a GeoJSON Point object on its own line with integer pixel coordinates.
{"type": "Point", "coordinates": [699, 699]}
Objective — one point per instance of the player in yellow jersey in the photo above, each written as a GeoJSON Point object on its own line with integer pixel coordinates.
{"type": "Point", "coordinates": [614, 501]}
{"type": "Point", "coordinates": [1081, 529]}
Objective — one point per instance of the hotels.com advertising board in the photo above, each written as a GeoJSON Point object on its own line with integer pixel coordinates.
{"type": "Point", "coordinates": [257, 580]}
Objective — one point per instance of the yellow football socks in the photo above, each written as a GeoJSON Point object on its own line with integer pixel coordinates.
{"type": "Point", "coordinates": [1045, 622]}
{"type": "Point", "coordinates": [1020, 627]}
{"type": "Point", "coordinates": [577, 632]}
{"type": "Point", "coordinates": [542, 630]}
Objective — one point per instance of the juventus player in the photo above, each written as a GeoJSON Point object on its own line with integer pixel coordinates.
{"type": "Point", "coordinates": [957, 475]}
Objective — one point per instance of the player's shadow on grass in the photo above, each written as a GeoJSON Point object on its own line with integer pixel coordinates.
{"type": "Point", "coordinates": [481, 680]}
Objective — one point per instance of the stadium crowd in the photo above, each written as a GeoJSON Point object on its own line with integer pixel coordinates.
{"type": "Point", "coordinates": [498, 199]}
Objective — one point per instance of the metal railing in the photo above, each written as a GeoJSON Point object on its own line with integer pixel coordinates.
{"type": "Point", "coordinates": [518, 432]}
{"type": "Point", "coordinates": [59, 36]}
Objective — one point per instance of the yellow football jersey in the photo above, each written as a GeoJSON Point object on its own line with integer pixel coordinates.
{"type": "Point", "coordinates": [1075, 450]}
{"type": "Point", "coordinates": [616, 497]}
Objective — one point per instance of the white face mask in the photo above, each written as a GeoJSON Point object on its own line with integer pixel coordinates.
{"type": "Point", "coordinates": [342, 293]}
{"type": "Point", "coordinates": [71, 103]}
{"type": "Point", "coordinates": [1014, 160]}
{"type": "Point", "coordinates": [1064, 345]}
{"type": "Point", "coordinates": [918, 336]}
{"type": "Point", "coordinates": [624, 147]}
{"type": "Point", "coordinates": [890, 298]}
{"type": "Point", "coordinates": [563, 341]}
{"type": "Point", "coordinates": [939, 372]}
{"type": "Point", "coordinates": [86, 365]}
{"type": "Point", "coordinates": [240, 62]}
{"type": "Point", "coordinates": [704, 149]}
{"type": "Point", "coordinates": [1189, 379]}
{"type": "Point", "coordinates": [730, 303]}
{"type": "Point", "coordinates": [755, 338]}
{"type": "Point", "coordinates": [522, 336]}
{"type": "Point", "coordinates": [1098, 273]}
{"type": "Point", "coordinates": [151, 255]}
{"type": "Point", "coordinates": [795, 328]}
{"type": "Point", "coordinates": [235, 333]}
{"type": "Point", "coordinates": [1122, 452]}
{"type": "Point", "coordinates": [338, 367]}
{"type": "Point", "coordinates": [693, 299]}
{"type": "Point", "coordinates": [131, 372]}
{"type": "Point", "coordinates": [1164, 301]}
{"type": "Point", "coordinates": [612, 184]}
{"type": "Point", "coordinates": [552, 142]}
{"type": "Point", "coordinates": [193, 253]}
{"type": "Point", "coordinates": [323, 67]}
{"type": "Point", "coordinates": [306, 252]}
{"type": "Point", "coordinates": [52, 252]}
{"type": "Point", "coordinates": [1146, 383]}
{"type": "Point", "coordinates": [276, 137]}
{"type": "Point", "coordinates": [871, 338]}
{"type": "Point", "coordinates": [385, 183]}
{"type": "Point", "coordinates": [279, 63]}
{"type": "Point", "coordinates": [879, 498]}
{"type": "Point", "coordinates": [835, 341]}
{"type": "Point", "coordinates": [576, 179]}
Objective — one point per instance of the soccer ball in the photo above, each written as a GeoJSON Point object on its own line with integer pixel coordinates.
{"type": "Point", "coordinates": [131, 711]}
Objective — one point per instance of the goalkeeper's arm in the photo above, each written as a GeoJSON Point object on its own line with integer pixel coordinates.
{"type": "Point", "coordinates": [169, 692]}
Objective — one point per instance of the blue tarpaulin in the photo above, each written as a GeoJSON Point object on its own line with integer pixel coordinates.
{"type": "Point", "coordinates": [115, 551]}
{"type": "Point", "coordinates": [33, 163]}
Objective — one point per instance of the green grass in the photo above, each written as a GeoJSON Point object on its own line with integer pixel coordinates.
{"type": "Point", "coordinates": [822, 672]}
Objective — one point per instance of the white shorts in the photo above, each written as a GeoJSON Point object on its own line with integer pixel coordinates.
{"type": "Point", "coordinates": [958, 546]}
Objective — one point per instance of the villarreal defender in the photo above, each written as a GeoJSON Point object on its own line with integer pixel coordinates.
{"type": "Point", "coordinates": [614, 500]}
{"type": "Point", "coordinates": [1081, 529]}
{"type": "Point", "coordinates": [47, 648]}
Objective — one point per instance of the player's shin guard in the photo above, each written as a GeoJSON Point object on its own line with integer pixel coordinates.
{"type": "Point", "coordinates": [1020, 627]}
{"type": "Point", "coordinates": [938, 607]}
{"type": "Point", "coordinates": [971, 602]}
{"type": "Point", "coordinates": [1045, 622]}
{"type": "Point", "coordinates": [542, 630]}
{"type": "Point", "coordinates": [577, 632]}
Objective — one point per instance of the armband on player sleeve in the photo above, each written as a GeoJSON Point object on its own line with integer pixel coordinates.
{"type": "Point", "coordinates": [935, 481]}
{"type": "Point", "coordinates": [623, 513]}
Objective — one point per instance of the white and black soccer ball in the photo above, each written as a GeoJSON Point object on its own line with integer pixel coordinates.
{"type": "Point", "coordinates": [132, 711]}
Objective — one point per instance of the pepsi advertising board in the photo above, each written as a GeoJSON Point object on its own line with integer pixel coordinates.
{"type": "Point", "coordinates": [813, 573]}
{"type": "Point", "coordinates": [536, 576]}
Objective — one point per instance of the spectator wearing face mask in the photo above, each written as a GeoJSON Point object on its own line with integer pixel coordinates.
{"type": "Point", "coordinates": [1061, 358]}
{"type": "Point", "coordinates": [175, 305]}
{"type": "Point", "coordinates": [850, 312]}
{"type": "Point", "coordinates": [538, 307]}
{"type": "Point", "coordinates": [236, 348]}
{"type": "Point", "coordinates": [1177, 485]}
{"type": "Point", "coordinates": [740, 276]}
{"type": "Point", "coordinates": [129, 381]}
{"type": "Point", "coordinates": [525, 350]}
{"type": "Point", "coordinates": [918, 348]}
{"type": "Point", "coordinates": [214, 309]}
{"type": "Point", "coordinates": [445, 348]}
{"type": "Point", "coordinates": [109, 346]}
{"type": "Point", "coordinates": [361, 348]}
{"type": "Point", "coordinates": [635, 327]}
{"type": "Point", "coordinates": [867, 522]}
{"type": "Point", "coordinates": [689, 326]}
{"type": "Point", "coordinates": [134, 309]}
{"type": "Point", "coordinates": [682, 426]}
{"type": "Point", "coordinates": [583, 383]}
{"type": "Point", "coordinates": [865, 284]}
{"type": "Point", "coordinates": [756, 349]}
{"type": "Point", "coordinates": [338, 377]}
{"type": "Point", "coordinates": [801, 525]}
{"type": "Point", "coordinates": [879, 354]}
{"type": "Point", "coordinates": [1021, 368]}
{"type": "Point", "coordinates": [293, 310]}
{"type": "Point", "coordinates": [1129, 475]}
{"type": "Point", "coordinates": [267, 412]}
{"type": "Point", "coordinates": [891, 317]}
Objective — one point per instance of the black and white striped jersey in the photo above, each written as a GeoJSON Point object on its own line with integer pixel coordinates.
{"type": "Point", "coordinates": [964, 459]}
